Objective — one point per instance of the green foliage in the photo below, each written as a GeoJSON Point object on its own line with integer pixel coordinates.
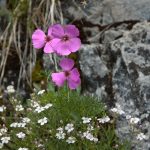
{"type": "Point", "coordinates": [67, 107]}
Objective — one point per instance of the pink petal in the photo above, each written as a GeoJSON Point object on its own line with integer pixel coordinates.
{"type": "Point", "coordinates": [62, 48]}
{"type": "Point", "coordinates": [72, 84]}
{"type": "Point", "coordinates": [50, 31]}
{"type": "Point", "coordinates": [48, 48]}
{"type": "Point", "coordinates": [57, 31]}
{"type": "Point", "coordinates": [66, 64]}
{"type": "Point", "coordinates": [71, 30]}
{"type": "Point", "coordinates": [38, 39]}
{"type": "Point", "coordinates": [74, 74]}
{"type": "Point", "coordinates": [54, 42]}
{"type": "Point", "coordinates": [74, 44]}
{"type": "Point", "coordinates": [58, 78]}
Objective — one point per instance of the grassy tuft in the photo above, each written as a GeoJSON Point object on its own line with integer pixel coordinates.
{"type": "Point", "coordinates": [67, 107]}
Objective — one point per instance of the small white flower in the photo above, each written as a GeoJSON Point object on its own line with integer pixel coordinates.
{"type": "Point", "coordinates": [2, 108]}
{"type": "Point", "coordinates": [34, 104]}
{"type": "Point", "coordinates": [134, 120]}
{"type": "Point", "coordinates": [19, 108]}
{"type": "Point", "coordinates": [1, 145]}
{"type": "Point", "coordinates": [42, 121]}
{"type": "Point", "coordinates": [5, 140]}
{"type": "Point", "coordinates": [86, 120]}
{"type": "Point", "coordinates": [95, 139]}
{"type": "Point", "coordinates": [3, 131]}
{"type": "Point", "coordinates": [20, 135]}
{"type": "Point", "coordinates": [69, 127]}
{"type": "Point", "coordinates": [13, 125]}
{"type": "Point", "coordinates": [41, 92]}
{"type": "Point", "coordinates": [19, 125]}
{"type": "Point", "coordinates": [48, 105]}
{"type": "Point", "coordinates": [26, 120]}
{"type": "Point", "coordinates": [39, 109]}
{"type": "Point", "coordinates": [40, 145]}
{"type": "Point", "coordinates": [118, 110]}
{"type": "Point", "coordinates": [114, 110]}
{"type": "Point", "coordinates": [71, 140]}
{"type": "Point", "coordinates": [60, 135]}
{"type": "Point", "coordinates": [10, 89]}
{"type": "Point", "coordinates": [23, 148]}
{"type": "Point", "coordinates": [89, 136]}
{"type": "Point", "coordinates": [60, 129]}
{"type": "Point", "coordinates": [141, 137]}
{"type": "Point", "coordinates": [104, 119]}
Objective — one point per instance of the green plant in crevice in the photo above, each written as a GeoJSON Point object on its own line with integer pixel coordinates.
{"type": "Point", "coordinates": [49, 121]}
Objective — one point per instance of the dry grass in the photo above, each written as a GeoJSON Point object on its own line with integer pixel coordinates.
{"type": "Point", "coordinates": [25, 17]}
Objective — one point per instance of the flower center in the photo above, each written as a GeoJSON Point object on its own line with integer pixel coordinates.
{"type": "Point", "coordinates": [47, 38]}
{"type": "Point", "coordinates": [65, 38]}
{"type": "Point", "coordinates": [67, 73]}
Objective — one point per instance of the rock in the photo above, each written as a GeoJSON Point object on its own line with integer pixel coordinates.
{"type": "Point", "coordinates": [106, 11]}
{"type": "Point", "coordinates": [3, 3]}
{"type": "Point", "coordinates": [94, 70]}
{"type": "Point", "coordinates": [118, 72]}
{"type": "Point", "coordinates": [131, 80]}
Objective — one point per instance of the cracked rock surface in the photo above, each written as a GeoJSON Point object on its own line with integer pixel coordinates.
{"type": "Point", "coordinates": [131, 80]}
{"type": "Point", "coordinates": [107, 11]}
{"type": "Point", "coordinates": [119, 73]}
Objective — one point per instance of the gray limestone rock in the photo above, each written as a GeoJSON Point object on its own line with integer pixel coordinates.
{"type": "Point", "coordinates": [118, 72]}
{"type": "Point", "coordinates": [131, 81]}
{"type": "Point", "coordinates": [107, 11]}
{"type": "Point", "coordinates": [94, 70]}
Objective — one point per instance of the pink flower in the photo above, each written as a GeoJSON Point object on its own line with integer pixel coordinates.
{"type": "Point", "coordinates": [40, 40]}
{"type": "Point", "coordinates": [65, 39]}
{"type": "Point", "coordinates": [69, 73]}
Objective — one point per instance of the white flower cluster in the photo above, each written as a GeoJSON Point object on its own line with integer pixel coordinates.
{"type": "Point", "coordinates": [118, 110]}
{"type": "Point", "coordinates": [19, 108]}
{"type": "Point", "coordinates": [141, 137]}
{"type": "Point", "coordinates": [134, 120]}
{"type": "Point", "coordinates": [104, 119]}
{"type": "Point", "coordinates": [34, 104]}
{"type": "Point", "coordinates": [42, 108]}
{"type": "Point", "coordinates": [26, 120]}
{"type": "Point", "coordinates": [41, 92]}
{"type": "Point", "coordinates": [2, 108]}
{"type": "Point", "coordinates": [43, 121]}
{"type": "Point", "coordinates": [86, 120]}
{"type": "Point", "coordinates": [89, 136]}
{"type": "Point", "coordinates": [3, 131]}
{"type": "Point", "coordinates": [5, 139]}
{"type": "Point", "coordinates": [71, 140]}
{"type": "Point", "coordinates": [60, 135]}
{"type": "Point", "coordinates": [21, 135]}
{"type": "Point", "coordinates": [69, 127]}
{"type": "Point", "coordinates": [23, 148]}
{"type": "Point", "coordinates": [18, 125]}
{"type": "Point", "coordinates": [10, 89]}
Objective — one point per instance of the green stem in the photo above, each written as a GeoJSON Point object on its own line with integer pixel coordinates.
{"type": "Point", "coordinates": [68, 95]}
